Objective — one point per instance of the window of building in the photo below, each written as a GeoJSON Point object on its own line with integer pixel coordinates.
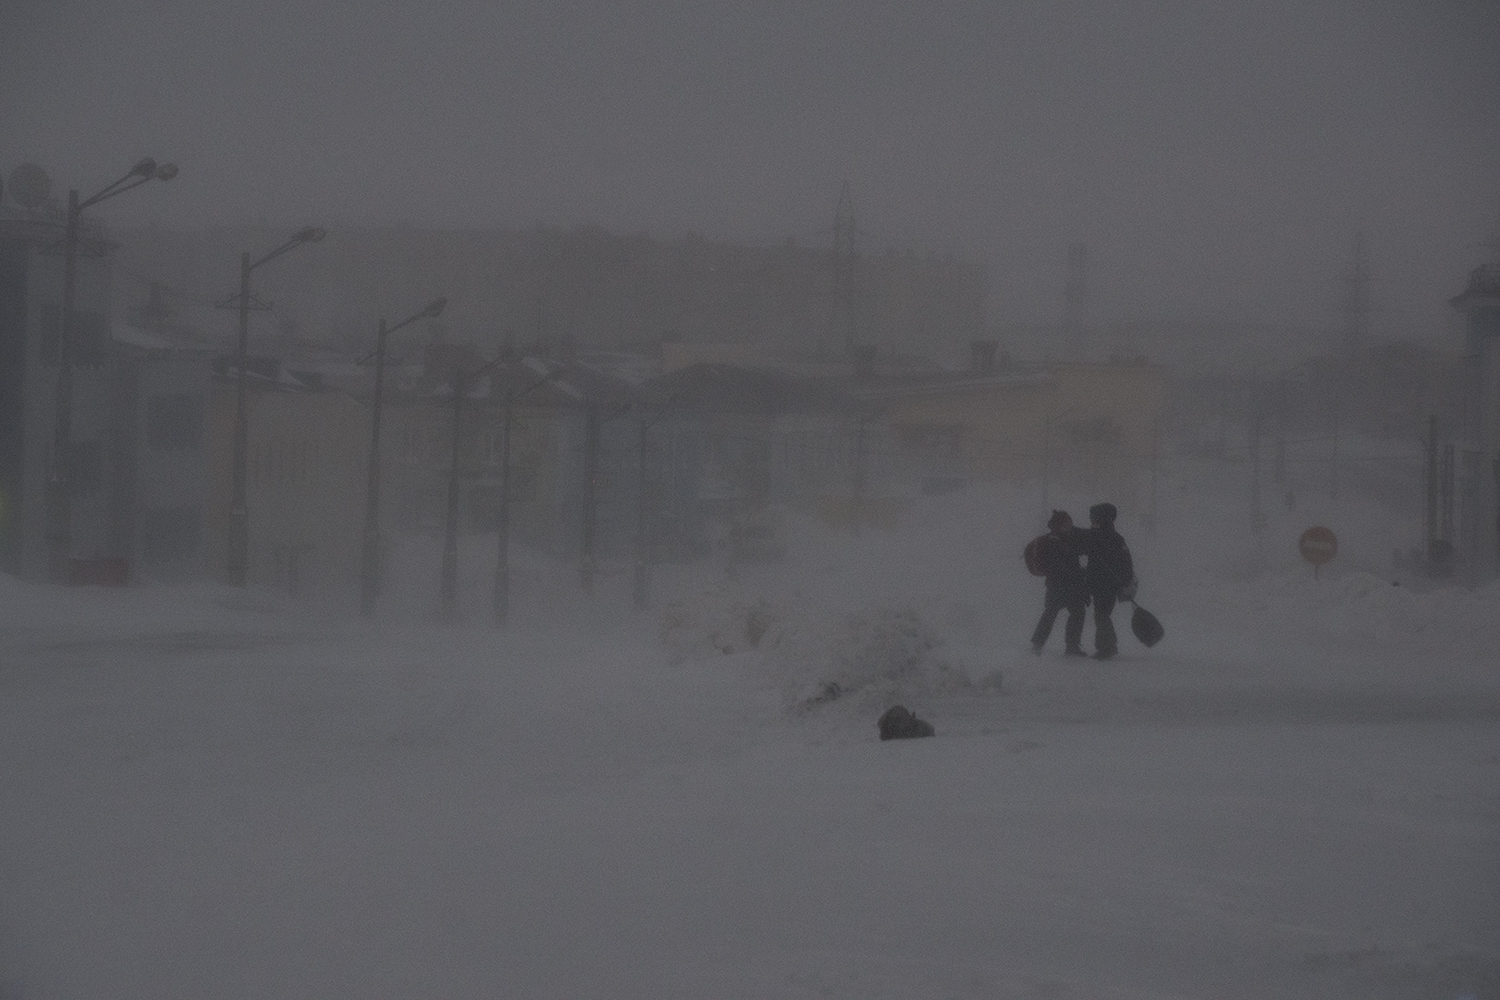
{"type": "Point", "coordinates": [174, 422]}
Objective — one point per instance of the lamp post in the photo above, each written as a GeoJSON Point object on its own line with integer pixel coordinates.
{"type": "Point", "coordinates": [239, 515]}
{"type": "Point", "coordinates": [370, 564]}
{"type": "Point", "coordinates": [501, 596]}
{"type": "Point", "coordinates": [59, 488]}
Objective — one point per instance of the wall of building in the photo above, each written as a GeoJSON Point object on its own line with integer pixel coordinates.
{"type": "Point", "coordinates": [30, 323]}
{"type": "Point", "coordinates": [305, 486]}
{"type": "Point", "coordinates": [593, 286]}
{"type": "Point", "coordinates": [1089, 426]}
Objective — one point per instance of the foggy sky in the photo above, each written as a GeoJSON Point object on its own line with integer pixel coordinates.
{"type": "Point", "coordinates": [1216, 157]}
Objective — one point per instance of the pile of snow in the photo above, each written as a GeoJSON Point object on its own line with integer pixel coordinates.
{"type": "Point", "coordinates": [815, 652]}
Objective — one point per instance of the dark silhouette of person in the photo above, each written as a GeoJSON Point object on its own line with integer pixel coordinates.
{"type": "Point", "coordinates": [1059, 552]}
{"type": "Point", "coordinates": [1110, 575]}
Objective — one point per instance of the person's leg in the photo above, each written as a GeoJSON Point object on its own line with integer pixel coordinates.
{"type": "Point", "coordinates": [1106, 644]}
{"type": "Point", "coordinates": [1073, 631]}
{"type": "Point", "coordinates": [1044, 624]}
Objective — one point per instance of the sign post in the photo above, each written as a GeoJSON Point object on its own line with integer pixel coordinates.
{"type": "Point", "coordinates": [1318, 545]}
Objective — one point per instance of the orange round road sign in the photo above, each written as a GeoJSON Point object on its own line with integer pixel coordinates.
{"type": "Point", "coordinates": [1318, 545]}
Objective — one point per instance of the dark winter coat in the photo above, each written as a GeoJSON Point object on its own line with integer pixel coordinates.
{"type": "Point", "coordinates": [1061, 551]}
{"type": "Point", "coordinates": [1110, 567]}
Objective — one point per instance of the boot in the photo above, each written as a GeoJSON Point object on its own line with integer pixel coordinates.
{"type": "Point", "coordinates": [1074, 651]}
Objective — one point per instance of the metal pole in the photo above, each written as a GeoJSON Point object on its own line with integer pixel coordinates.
{"type": "Point", "coordinates": [587, 563]}
{"type": "Point", "coordinates": [1279, 469]}
{"type": "Point", "coordinates": [1432, 489]}
{"type": "Point", "coordinates": [239, 515]}
{"type": "Point", "coordinates": [1155, 453]}
{"type": "Point", "coordinates": [641, 591]}
{"type": "Point", "coordinates": [1333, 464]}
{"type": "Point", "coordinates": [450, 525]}
{"type": "Point", "coordinates": [1047, 462]}
{"type": "Point", "coordinates": [1257, 515]}
{"type": "Point", "coordinates": [1495, 467]}
{"type": "Point", "coordinates": [59, 491]}
{"type": "Point", "coordinates": [370, 567]}
{"type": "Point", "coordinates": [857, 498]}
{"type": "Point", "coordinates": [501, 596]}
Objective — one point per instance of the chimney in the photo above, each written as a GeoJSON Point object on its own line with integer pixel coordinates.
{"type": "Point", "coordinates": [982, 356]}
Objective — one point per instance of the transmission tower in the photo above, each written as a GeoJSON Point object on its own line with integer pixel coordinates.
{"type": "Point", "coordinates": [843, 325]}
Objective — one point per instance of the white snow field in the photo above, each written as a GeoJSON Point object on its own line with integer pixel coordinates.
{"type": "Point", "coordinates": [235, 795]}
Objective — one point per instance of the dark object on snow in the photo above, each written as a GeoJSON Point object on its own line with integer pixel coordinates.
{"type": "Point", "coordinates": [1057, 555]}
{"type": "Point", "coordinates": [1110, 570]}
{"type": "Point", "coordinates": [1146, 626]}
{"type": "Point", "coordinates": [1104, 513]}
{"type": "Point", "coordinates": [899, 724]}
{"type": "Point", "coordinates": [1033, 556]}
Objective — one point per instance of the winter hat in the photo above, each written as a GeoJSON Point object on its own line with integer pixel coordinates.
{"type": "Point", "coordinates": [1060, 519]}
{"type": "Point", "coordinates": [1103, 513]}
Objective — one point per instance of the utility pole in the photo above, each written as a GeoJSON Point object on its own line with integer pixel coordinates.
{"type": "Point", "coordinates": [1046, 462]}
{"type": "Point", "coordinates": [1432, 489]}
{"type": "Point", "coordinates": [59, 483]}
{"type": "Point", "coordinates": [370, 563]}
{"type": "Point", "coordinates": [449, 589]}
{"type": "Point", "coordinates": [1448, 493]}
{"type": "Point", "coordinates": [588, 564]}
{"type": "Point", "coordinates": [369, 577]}
{"type": "Point", "coordinates": [1257, 513]}
{"type": "Point", "coordinates": [843, 323]}
{"type": "Point", "coordinates": [239, 516]}
{"type": "Point", "coordinates": [1278, 472]}
{"type": "Point", "coordinates": [500, 596]}
{"type": "Point", "coordinates": [1333, 461]}
{"type": "Point", "coordinates": [239, 510]}
{"type": "Point", "coordinates": [1155, 461]}
{"type": "Point", "coordinates": [59, 490]}
{"type": "Point", "coordinates": [640, 593]}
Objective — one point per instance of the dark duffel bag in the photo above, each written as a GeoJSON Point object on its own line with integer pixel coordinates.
{"type": "Point", "coordinates": [1146, 626]}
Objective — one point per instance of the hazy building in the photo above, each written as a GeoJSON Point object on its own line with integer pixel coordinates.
{"type": "Point", "coordinates": [1478, 472]}
{"type": "Point", "coordinates": [538, 287]}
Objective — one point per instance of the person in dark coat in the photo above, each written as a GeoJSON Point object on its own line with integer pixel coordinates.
{"type": "Point", "coordinates": [1110, 575]}
{"type": "Point", "coordinates": [1067, 587]}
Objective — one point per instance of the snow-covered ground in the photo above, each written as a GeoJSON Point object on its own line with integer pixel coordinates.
{"type": "Point", "coordinates": [1297, 794]}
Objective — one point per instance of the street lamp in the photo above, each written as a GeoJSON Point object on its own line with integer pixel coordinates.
{"type": "Point", "coordinates": [370, 567]}
{"type": "Point", "coordinates": [239, 516]}
{"type": "Point", "coordinates": [59, 501]}
{"type": "Point", "coordinates": [501, 595]}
